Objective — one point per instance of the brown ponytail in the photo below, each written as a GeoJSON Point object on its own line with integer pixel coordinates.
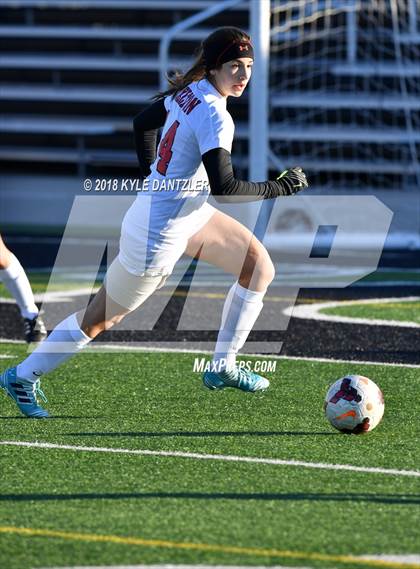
{"type": "Point", "coordinates": [179, 81]}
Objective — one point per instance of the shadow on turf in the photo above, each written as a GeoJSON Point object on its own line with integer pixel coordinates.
{"type": "Point", "coordinates": [204, 434]}
{"type": "Point", "coordinates": [54, 417]}
{"type": "Point", "coordinates": [377, 498]}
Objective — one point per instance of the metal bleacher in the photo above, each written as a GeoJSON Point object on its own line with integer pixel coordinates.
{"type": "Point", "coordinates": [74, 73]}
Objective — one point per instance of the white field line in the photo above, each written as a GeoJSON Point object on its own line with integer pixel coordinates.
{"type": "Point", "coordinates": [350, 362]}
{"type": "Point", "coordinates": [221, 457]}
{"type": "Point", "coordinates": [56, 296]}
{"type": "Point", "coordinates": [110, 348]}
{"type": "Point", "coordinates": [127, 347]}
{"type": "Point", "coordinates": [313, 312]}
{"type": "Point", "coordinates": [177, 567]}
{"type": "Point", "coordinates": [404, 559]}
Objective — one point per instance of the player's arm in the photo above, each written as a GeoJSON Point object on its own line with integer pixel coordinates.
{"type": "Point", "coordinates": [146, 128]}
{"type": "Point", "coordinates": [224, 185]}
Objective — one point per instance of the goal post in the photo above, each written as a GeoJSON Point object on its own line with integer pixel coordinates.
{"type": "Point", "coordinates": [258, 132]}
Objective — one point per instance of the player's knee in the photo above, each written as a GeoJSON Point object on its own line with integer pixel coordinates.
{"type": "Point", "coordinates": [269, 271]}
{"type": "Point", "coordinates": [5, 256]}
{"type": "Point", "coordinates": [265, 271]}
{"type": "Point", "coordinates": [258, 270]}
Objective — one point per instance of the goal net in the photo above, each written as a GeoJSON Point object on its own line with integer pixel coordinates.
{"type": "Point", "coordinates": [345, 102]}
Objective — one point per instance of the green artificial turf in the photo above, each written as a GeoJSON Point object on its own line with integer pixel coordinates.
{"type": "Point", "coordinates": [40, 283]}
{"type": "Point", "coordinates": [386, 275]}
{"type": "Point", "coordinates": [155, 401]}
{"type": "Point", "coordinates": [405, 311]}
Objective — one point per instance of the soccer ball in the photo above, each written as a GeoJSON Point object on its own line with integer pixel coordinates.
{"type": "Point", "coordinates": [354, 404]}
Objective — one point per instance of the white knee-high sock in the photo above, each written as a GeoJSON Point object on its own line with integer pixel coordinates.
{"type": "Point", "coordinates": [64, 341]}
{"type": "Point", "coordinates": [240, 311]}
{"type": "Point", "coordinates": [16, 282]}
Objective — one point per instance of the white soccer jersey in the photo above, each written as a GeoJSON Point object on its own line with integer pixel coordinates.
{"type": "Point", "coordinates": [197, 121]}
{"type": "Point", "coordinates": [173, 205]}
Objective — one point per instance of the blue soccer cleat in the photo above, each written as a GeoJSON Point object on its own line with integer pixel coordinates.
{"type": "Point", "coordinates": [237, 378]}
{"type": "Point", "coordinates": [23, 393]}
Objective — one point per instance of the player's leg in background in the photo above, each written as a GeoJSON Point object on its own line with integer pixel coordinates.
{"type": "Point", "coordinates": [15, 280]}
{"type": "Point", "coordinates": [75, 332]}
{"type": "Point", "coordinates": [226, 243]}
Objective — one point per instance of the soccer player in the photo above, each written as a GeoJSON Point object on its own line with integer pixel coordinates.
{"type": "Point", "coordinates": [15, 280]}
{"type": "Point", "coordinates": [171, 217]}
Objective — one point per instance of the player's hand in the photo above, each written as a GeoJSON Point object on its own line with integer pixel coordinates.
{"type": "Point", "coordinates": [292, 181]}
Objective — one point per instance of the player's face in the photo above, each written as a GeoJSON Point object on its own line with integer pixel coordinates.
{"type": "Point", "coordinates": [233, 76]}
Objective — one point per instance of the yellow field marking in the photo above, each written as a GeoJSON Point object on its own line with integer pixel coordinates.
{"type": "Point", "coordinates": [222, 296]}
{"type": "Point", "coordinates": [347, 559]}
{"type": "Point", "coordinates": [183, 293]}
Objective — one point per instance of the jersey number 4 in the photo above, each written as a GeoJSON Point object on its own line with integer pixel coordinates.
{"type": "Point", "coordinates": [165, 148]}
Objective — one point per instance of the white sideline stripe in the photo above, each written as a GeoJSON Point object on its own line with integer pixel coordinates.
{"type": "Point", "coordinates": [352, 362]}
{"type": "Point", "coordinates": [223, 457]}
{"type": "Point", "coordinates": [150, 349]}
{"type": "Point", "coordinates": [110, 347]}
{"type": "Point", "coordinates": [313, 312]}
{"type": "Point", "coordinates": [55, 296]}
{"type": "Point", "coordinates": [177, 567]}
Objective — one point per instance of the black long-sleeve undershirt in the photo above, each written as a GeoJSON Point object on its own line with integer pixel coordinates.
{"type": "Point", "coordinates": [146, 128]}
{"type": "Point", "coordinates": [226, 188]}
{"type": "Point", "coordinates": [217, 162]}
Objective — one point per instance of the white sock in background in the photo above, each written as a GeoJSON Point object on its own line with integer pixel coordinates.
{"type": "Point", "coordinates": [64, 341]}
{"type": "Point", "coordinates": [15, 280]}
{"type": "Point", "coordinates": [240, 311]}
